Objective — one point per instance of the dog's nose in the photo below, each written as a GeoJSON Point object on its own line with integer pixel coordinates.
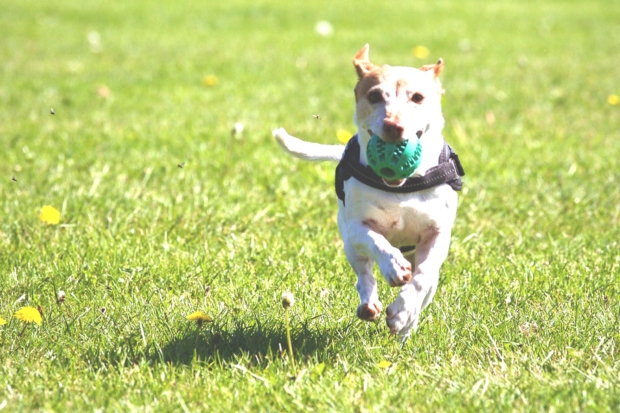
{"type": "Point", "coordinates": [393, 130]}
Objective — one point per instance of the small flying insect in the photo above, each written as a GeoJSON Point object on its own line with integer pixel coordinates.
{"type": "Point", "coordinates": [181, 165]}
{"type": "Point", "coordinates": [318, 117]}
{"type": "Point", "coordinates": [14, 179]}
{"type": "Point", "coordinates": [52, 111]}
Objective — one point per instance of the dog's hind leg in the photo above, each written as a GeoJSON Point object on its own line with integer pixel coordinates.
{"type": "Point", "coordinates": [404, 313]}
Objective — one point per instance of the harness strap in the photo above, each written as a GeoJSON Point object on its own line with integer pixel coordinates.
{"type": "Point", "coordinates": [448, 171]}
{"type": "Point", "coordinates": [407, 249]}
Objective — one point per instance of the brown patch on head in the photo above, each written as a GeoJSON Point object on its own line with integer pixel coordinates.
{"type": "Point", "coordinates": [367, 82]}
{"type": "Point", "coordinates": [368, 74]}
{"type": "Point", "coordinates": [401, 84]}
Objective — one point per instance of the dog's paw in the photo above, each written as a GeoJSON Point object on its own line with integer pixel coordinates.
{"type": "Point", "coordinates": [396, 270]}
{"type": "Point", "coordinates": [403, 314]}
{"type": "Point", "coordinates": [369, 311]}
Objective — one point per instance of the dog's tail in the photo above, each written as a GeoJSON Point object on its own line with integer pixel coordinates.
{"type": "Point", "coordinates": [307, 150]}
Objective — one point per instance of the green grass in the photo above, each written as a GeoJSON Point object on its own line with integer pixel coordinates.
{"type": "Point", "coordinates": [527, 314]}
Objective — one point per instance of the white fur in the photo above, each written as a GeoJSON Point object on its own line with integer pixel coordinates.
{"type": "Point", "coordinates": [374, 223]}
{"type": "Point", "coordinates": [307, 150]}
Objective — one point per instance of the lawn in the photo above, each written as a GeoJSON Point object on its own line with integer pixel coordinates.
{"type": "Point", "coordinates": [121, 116]}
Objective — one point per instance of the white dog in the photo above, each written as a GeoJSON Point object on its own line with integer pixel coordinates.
{"type": "Point", "coordinates": [402, 225]}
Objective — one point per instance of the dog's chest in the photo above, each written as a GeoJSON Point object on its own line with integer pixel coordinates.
{"type": "Point", "coordinates": [403, 219]}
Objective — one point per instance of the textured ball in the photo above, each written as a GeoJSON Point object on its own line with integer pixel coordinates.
{"type": "Point", "coordinates": [393, 161]}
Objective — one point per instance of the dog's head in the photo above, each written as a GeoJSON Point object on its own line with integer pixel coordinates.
{"type": "Point", "coordinates": [397, 103]}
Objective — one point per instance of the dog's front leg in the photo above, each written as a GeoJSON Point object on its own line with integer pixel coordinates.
{"type": "Point", "coordinates": [369, 243]}
{"type": "Point", "coordinates": [370, 307]}
{"type": "Point", "coordinates": [403, 314]}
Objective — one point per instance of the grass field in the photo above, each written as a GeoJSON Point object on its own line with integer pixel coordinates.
{"type": "Point", "coordinates": [165, 212]}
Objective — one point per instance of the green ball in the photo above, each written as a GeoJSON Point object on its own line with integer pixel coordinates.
{"type": "Point", "coordinates": [393, 161]}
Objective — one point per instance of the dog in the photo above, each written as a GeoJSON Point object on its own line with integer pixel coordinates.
{"type": "Point", "coordinates": [403, 225]}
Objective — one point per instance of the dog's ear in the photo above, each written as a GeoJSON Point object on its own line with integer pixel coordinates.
{"type": "Point", "coordinates": [436, 68]}
{"type": "Point", "coordinates": [361, 62]}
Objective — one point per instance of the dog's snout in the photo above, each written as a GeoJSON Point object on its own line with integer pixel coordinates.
{"type": "Point", "coordinates": [393, 130]}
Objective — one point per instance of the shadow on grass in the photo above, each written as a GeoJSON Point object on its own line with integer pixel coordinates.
{"type": "Point", "coordinates": [255, 341]}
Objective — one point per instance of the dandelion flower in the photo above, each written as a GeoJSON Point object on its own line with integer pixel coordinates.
{"type": "Point", "coordinates": [29, 315]}
{"type": "Point", "coordinates": [324, 28]}
{"type": "Point", "coordinates": [613, 99]}
{"type": "Point", "coordinates": [2, 321]}
{"type": "Point", "coordinates": [49, 215]}
{"type": "Point", "coordinates": [103, 91]}
{"type": "Point", "coordinates": [200, 317]}
{"type": "Point", "coordinates": [288, 300]}
{"type": "Point", "coordinates": [94, 40]}
{"type": "Point", "coordinates": [384, 364]}
{"type": "Point", "coordinates": [210, 80]}
{"type": "Point", "coordinates": [343, 135]}
{"type": "Point", "coordinates": [238, 128]}
{"type": "Point", "coordinates": [60, 297]}
{"type": "Point", "coordinates": [420, 52]}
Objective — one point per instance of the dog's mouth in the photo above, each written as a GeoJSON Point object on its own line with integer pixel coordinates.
{"type": "Point", "coordinates": [393, 184]}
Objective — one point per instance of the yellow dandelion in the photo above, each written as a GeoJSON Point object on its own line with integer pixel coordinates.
{"type": "Point", "coordinates": [420, 52]}
{"type": "Point", "coordinates": [613, 99]}
{"type": "Point", "coordinates": [49, 215]}
{"type": "Point", "coordinates": [210, 80]}
{"type": "Point", "coordinates": [200, 317]}
{"type": "Point", "coordinates": [2, 321]}
{"type": "Point", "coordinates": [103, 91]}
{"type": "Point", "coordinates": [29, 315]}
{"type": "Point", "coordinates": [384, 364]}
{"type": "Point", "coordinates": [343, 135]}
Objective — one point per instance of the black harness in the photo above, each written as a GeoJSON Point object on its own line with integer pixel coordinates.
{"type": "Point", "coordinates": [448, 171]}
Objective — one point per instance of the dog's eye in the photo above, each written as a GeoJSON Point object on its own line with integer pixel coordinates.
{"type": "Point", "coordinates": [375, 96]}
{"type": "Point", "coordinates": [417, 98]}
